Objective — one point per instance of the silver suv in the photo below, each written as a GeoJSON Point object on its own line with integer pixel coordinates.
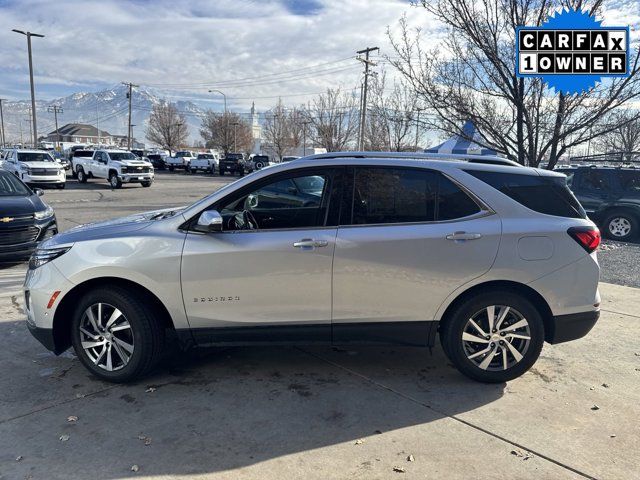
{"type": "Point", "coordinates": [367, 248]}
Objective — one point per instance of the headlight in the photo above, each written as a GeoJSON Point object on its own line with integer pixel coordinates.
{"type": "Point", "coordinates": [46, 213]}
{"type": "Point", "coordinates": [23, 167]}
{"type": "Point", "coordinates": [42, 256]}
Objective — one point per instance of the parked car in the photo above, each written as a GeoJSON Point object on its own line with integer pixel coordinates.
{"type": "Point", "coordinates": [158, 161]}
{"type": "Point", "coordinates": [25, 219]}
{"type": "Point", "coordinates": [35, 167]}
{"type": "Point", "coordinates": [493, 258]}
{"type": "Point", "coordinates": [205, 162]}
{"type": "Point", "coordinates": [256, 162]}
{"type": "Point", "coordinates": [610, 196]}
{"type": "Point", "coordinates": [232, 163]}
{"type": "Point", "coordinates": [181, 160]}
{"type": "Point", "coordinates": [79, 154]}
{"type": "Point", "coordinates": [116, 166]}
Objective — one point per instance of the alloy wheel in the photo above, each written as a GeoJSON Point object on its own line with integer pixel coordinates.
{"type": "Point", "coordinates": [496, 338]}
{"type": "Point", "coordinates": [619, 227]}
{"type": "Point", "coordinates": [106, 336]}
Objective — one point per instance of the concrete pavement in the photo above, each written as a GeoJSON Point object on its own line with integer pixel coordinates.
{"type": "Point", "coordinates": [324, 413]}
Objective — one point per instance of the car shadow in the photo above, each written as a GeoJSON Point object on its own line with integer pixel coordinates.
{"type": "Point", "coordinates": [214, 410]}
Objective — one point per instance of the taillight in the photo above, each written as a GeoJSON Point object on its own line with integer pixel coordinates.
{"type": "Point", "coordinates": [587, 237]}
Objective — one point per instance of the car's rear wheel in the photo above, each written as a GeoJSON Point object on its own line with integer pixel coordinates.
{"type": "Point", "coordinates": [493, 336]}
{"type": "Point", "coordinates": [621, 226]}
{"type": "Point", "coordinates": [115, 335]}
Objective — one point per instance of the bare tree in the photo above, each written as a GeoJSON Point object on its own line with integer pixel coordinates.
{"type": "Point", "coordinates": [334, 119]}
{"type": "Point", "coordinates": [282, 128]}
{"type": "Point", "coordinates": [167, 127]}
{"type": "Point", "coordinates": [471, 76]}
{"type": "Point", "coordinates": [390, 118]}
{"type": "Point", "coordinates": [226, 131]}
{"type": "Point", "coordinates": [625, 138]}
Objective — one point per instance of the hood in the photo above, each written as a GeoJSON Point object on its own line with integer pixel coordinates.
{"type": "Point", "coordinates": [111, 228]}
{"type": "Point", "coordinates": [12, 206]}
{"type": "Point", "coordinates": [41, 164]}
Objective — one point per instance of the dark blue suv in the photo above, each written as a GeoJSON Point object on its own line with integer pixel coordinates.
{"type": "Point", "coordinates": [610, 196]}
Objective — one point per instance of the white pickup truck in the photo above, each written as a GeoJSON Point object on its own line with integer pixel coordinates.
{"type": "Point", "coordinates": [116, 166]}
{"type": "Point", "coordinates": [181, 159]}
{"type": "Point", "coordinates": [35, 167]}
{"type": "Point", "coordinates": [205, 162]}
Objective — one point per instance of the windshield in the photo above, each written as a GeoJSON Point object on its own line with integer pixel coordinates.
{"type": "Point", "coordinates": [35, 157]}
{"type": "Point", "coordinates": [83, 153]}
{"type": "Point", "coordinates": [205, 155]}
{"type": "Point", "coordinates": [183, 154]}
{"type": "Point", "coordinates": [11, 186]}
{"type": "Point", "coordinates": [122, 156]}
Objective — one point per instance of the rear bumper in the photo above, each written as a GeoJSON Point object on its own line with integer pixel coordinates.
{"type": "Point", "coordinates": [565, 328]}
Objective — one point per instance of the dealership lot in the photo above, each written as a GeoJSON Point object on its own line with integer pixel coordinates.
{"type": "Point", "coordinates": [314, 412]}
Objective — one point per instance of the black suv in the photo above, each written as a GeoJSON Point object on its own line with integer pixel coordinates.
{"type": "Point", "coordinates": [611, 197]}
{"type": "Point", "coordinates": [257, 162]}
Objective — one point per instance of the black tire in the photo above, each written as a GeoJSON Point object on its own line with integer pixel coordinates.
{"type": "Point", "coordinates": [171, 168]}
{"type": "Point", "coordinates": [148, 334]}
{"type": "Point", "coordinates": [60, 186]}
{"type": "Point", "coordinates": [621, 225]}
{"type": "Point", "coordinates": [146, 184]}
{"type": "Point", "coordinates": [82, 177]}
{"type": "Point", "coordinates": [453, 327]}
{"type": "Point", "coordinates": [221, 173]}
{"type": "Point", "coordinates": [114, 181]}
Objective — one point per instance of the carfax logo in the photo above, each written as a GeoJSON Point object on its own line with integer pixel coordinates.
{"type": "Point", "coordinates": [571, 51]}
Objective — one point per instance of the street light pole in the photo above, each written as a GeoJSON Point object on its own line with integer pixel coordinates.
{"type": "Point", "coordinates": [226, 116]}
{"type": "Point", "coordinates": [33, 94]}
{"type": "Point", "coordinates": [4, 140]}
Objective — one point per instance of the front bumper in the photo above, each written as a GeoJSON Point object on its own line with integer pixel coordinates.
{"type": "Point", "coordinates": [41, 179]}
{"type": "Point", "coordinates": [565, 328]}
{"type": "Point", "coordinates": [136, 177]}
{"type": "Point", "coordinates": [22, 251]}
{"type": "Point", "coordinates": [44, 336]}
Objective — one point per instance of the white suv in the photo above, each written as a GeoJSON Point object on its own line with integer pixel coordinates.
{"type": "Point", "coordinates": [374, 248]}
{"type": "Point", "coordinates": [35, 167]}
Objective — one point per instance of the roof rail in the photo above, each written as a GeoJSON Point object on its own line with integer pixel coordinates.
{"type": "Point", "coordinates": [471, 158]}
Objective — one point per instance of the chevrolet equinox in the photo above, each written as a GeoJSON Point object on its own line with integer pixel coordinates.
{"type": "Point", "coordinates": [350, 248]}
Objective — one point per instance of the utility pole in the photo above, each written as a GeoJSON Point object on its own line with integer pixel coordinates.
{"type": "Point", "coordinates": [417, 127]}
{"type": "Point", "coordinates": [235, 148]}
{"type": "Point", "coordinates": [33, 94]}
{"type": "Point", "coordinates": [304, 138]}
{"type": "Point", "coordinates": [4, 140]}
{"type": "Point", "coordinates": [129, 94]}
{"type": "Point", "coordinates": [56, 110]}
{"type": "Point", "coordinates": [363, 110]}
{"type": "Point", "coordinates": [30, 130]}
{"type": "Point", "coordinates": [132, 137]}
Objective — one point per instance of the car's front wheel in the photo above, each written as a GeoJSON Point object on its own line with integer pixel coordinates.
{"type": "Point", "coordinates": [115, 335]}
{"type": "Point", "coordinates": [493, 336]}
{"type": "Point", "coordinates": [146, 183]}
{"type": "Point", "coordinates": [621, 226]}
{"type": "Point", "coordinates": [60, 186]}
{"type": "Point", "coordinates": [114, 181]}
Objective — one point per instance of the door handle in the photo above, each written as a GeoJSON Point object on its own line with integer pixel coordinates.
{"type": "Point", "coordinates": [462, 236]}
{"type": "Point", "coordinates": [308, 243]}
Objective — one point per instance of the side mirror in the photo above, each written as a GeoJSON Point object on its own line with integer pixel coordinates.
{"type": "Point", "coordinates": [38, 191]}
{"type": "Point", "coordinates": [209, 221]}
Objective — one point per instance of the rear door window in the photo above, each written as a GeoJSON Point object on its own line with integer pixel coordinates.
{"type": "Point", "coordinates": [629, 180]}
{"type": "Point", "coordinates": [548, 195]}
{"type": "Point", "coordinates": [594, 180]}
{"type": "Point", "coordinates": [383, 195]}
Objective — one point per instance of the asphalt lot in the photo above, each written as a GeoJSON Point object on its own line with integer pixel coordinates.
{"type": "Point", "coordinates": [315, 412]}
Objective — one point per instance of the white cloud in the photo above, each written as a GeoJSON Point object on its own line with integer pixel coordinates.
{"type": "Point", "coordinates": [92, 44]}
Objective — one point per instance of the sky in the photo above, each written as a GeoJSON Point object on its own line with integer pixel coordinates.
{"type": "Point", "coordinates": [182, 47]}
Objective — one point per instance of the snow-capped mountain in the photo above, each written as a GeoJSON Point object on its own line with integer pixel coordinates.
{"type": "Point", "coordinates": [107, 109]}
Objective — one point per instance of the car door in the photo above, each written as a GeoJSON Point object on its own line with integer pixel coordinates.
{"type": "Point", "coordinates": [410, 237]}
{"type": "Point", "coordinates": [238, 281]}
